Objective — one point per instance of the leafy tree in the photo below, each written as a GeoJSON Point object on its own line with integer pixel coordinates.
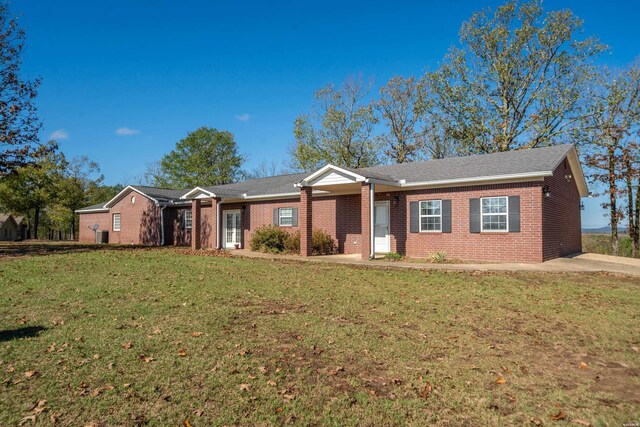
{"type": "Point", "coordinates": [338, 130]}
{"type": "Point", "coordinates": [516, 80]}
{"type": "Point", "coordinates": [205, 157]}
{"type": "Point", "coordinates": [609, 137]}
{"type": "Point", "coordinates": [19, 124]}
{"type": "Point", "coordinates": [29, 189]}
{"type": "Point", "coordinates": [79, 177]}
{"type": "Point", "coordinates": [404, 141]}
{"type": "Point", "coordinates": [265, 169]}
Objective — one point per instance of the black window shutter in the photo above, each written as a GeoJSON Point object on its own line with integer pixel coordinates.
{"type": "Point", "coordinates": [414, 217]}
{"type": "Point", "coordinates": [474, 215]}
{"type": "Point", "coordinates": [446, 216]}
{"type": "Point", "coordinates": [182, 224]}
{"type": "Point", "coordinates": [514, 214]}
{"type": "Point", "coordinates": [276, 217]}
{"type": "Point", "coordinates": [294, 220]}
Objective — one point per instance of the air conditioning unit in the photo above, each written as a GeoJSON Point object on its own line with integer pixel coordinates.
{"type": "Point", "coordinates": [102, 237]}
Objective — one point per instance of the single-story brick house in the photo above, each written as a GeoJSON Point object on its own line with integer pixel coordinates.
{"type": "Point", "coordinates": [521, 206]}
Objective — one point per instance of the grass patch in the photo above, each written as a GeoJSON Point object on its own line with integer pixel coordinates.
{"type": "Point", "coordinates": [129, 337]}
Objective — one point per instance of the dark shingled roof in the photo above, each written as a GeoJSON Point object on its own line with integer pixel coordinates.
{"type": "Point", "coordinates": [160, 193]}
{"type": "Point", "coordinates": [531, 161]}
{"type": "Point", "coordinates": [92, 207]}
{"type": "Point", "coordinates": [508, 163]}
{"type": "Point", "coordinates": [260, 186]}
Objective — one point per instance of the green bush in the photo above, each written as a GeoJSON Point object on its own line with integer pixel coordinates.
{"type": "Point", "coordinates": [292, 243]}
{"type": "Point", "coordinates": [269, 239]}
{"type": "Point", "coordinates": [275, 240]}
{"type": "Point", "coordinates": [438, 257]}
{"type": "Point", "coordinates": [323, 244]}
{"type": "Point", "coordinates": [393, 256]}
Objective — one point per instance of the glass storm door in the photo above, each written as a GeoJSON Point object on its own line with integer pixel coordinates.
{"type": "Point", "coordinates": [232, 229]}
{"type": "Point", "coordinates": [381, 227]}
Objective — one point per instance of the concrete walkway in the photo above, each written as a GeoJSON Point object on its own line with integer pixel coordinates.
{"type": "Point", "coordinates": [583, 263]}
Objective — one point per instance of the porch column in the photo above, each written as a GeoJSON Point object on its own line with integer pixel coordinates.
{"type": "Point", "coordinates": [195, 224]}
{"type": "Point", "coordinates": [366, 219]}
{"type": "Point", "coordinates": [304, 221]}
{"type": "Point", "coordinates": [215, 222]}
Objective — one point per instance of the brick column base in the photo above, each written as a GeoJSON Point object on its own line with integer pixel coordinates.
{"type": "Point", "coordinates": [304, 220]}
{"type": "Point", "coordinates": [195, 224]}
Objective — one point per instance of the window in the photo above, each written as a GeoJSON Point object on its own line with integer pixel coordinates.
{"type": "Point", "coordinates": [431, 215]}
{"type": "Point", "coordinates": [495, 213]}
{"type": "Point", "coordinates": [116, 222]}
{"type": "Point", "coordinates": [188, 219]}
{"type": "Point", "coordinates": [285, 216]}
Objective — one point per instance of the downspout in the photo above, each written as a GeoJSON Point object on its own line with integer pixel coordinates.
{"type": "Point", "coordinates": [218, 223]}
{"type": "Point", "coordinates": [162, 225]}
{"type": "Point", "coordinates": [372, 243]}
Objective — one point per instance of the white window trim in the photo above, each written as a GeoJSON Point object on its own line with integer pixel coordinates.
{"type": "Point", "coordinates": [190, 219]}
{"type": "Point", "coordinates": [280, 224]}
{"type": "Point", "coordinates": [113, 222]}
{"type": "Point", "coordinates": [420, 216]}
{"type": "Point", "coordinates": [482, 215]}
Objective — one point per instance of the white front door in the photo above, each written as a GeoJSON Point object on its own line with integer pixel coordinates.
{"type": "Point", "coordinates": [231, 229]}
{"type": "Point", "coordinates": [381, 228]}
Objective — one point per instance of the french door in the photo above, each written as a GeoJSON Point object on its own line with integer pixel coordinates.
{"type": "Point", "coordinates": [232, 229]}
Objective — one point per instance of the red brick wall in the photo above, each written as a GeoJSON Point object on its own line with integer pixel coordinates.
{"type": "Point", "coordinates": [87, 220]}
{"type": "Point", "coordinates": [562, 228]}
{"type": "Point", "coordinates": [523, 246]}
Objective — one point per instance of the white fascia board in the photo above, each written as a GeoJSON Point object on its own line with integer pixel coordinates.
{"type": "Point", "coordinates": [578, 174]}
{"type": "Point", "coordinates": [198, 189]}
{"type": "Point", "coordinates": [91, 210]}
{"type": "Point", "coordinates": [383, 182]}
{"type": "Point", "coordinates": [322, 170]}
{"type": "Point", "coordinates": [123, 192]}
{"type": "Point", "coordinates": [475, 180]}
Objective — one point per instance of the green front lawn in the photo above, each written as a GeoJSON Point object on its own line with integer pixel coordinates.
{"type": "Point", "coordinates": [133, 337]}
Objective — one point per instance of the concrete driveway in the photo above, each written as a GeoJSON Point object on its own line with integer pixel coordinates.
{"type": "Point", "coordinates": [582, 263]}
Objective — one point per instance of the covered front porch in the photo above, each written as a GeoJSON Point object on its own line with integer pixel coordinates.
{"type": "Point", "coordinates": [357, 210]}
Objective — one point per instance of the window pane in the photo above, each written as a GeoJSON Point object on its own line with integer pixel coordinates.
{"type": "Point", "coordinates": [116, 222]}
{"type": "Point", "coordinates": [188, 219]}
{"type": "Point", "coordinates": [494, 205]}
{"type": "Point", "coordinates": [430, 223]}
{"type": "Point", "coordinates": [494, 222]}
{"type": "Point", "coordinates": [430, 207]}
{"type": "Point", "coordinates": [286, 216]}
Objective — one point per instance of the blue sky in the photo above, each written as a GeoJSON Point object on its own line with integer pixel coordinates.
{"type": "Point", "coordinates": [123, 81]}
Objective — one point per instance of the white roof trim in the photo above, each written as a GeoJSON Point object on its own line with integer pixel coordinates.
{"type": "Point", "coordinates": [473, 180]}
{"type": "Point", "coordinates": [123, 192]}
{"type": "Point", "coordinates": [92, 210]}
{"type": "Point", "coordinates": [326, 168]}
{"type": "Point", "coordinates": [576, 168]}
{"type": "Point", "coordinates": [198, 189]}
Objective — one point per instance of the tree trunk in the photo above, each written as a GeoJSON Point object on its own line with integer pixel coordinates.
{"type": "Point", "coordinates": [613, 209]}
{"type": "Point", "coordinates": [36, 219]}
{"type": "Point", "coordinates": [73, 225]}
{"type": "Point", "coordinates": [636, 231]}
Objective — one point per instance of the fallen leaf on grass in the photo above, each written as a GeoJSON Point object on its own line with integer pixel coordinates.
{"type": "Point", "coordinates": [127, 345]}
{"type": "Point", "coordinates": [196, 334]}
{"type": "Point", "coordinates": [271, 383]}
{"type": "Point", "coordinates": [40, 407]}
{"type": "Point", "coordinates": [187, 423]}
{"type": "Point", "coordinates": [182, 352]}
{"type": "Point", "coordinates": [559, 416]}
{"type": "Point", "coordinates": [263, 369]}
{"type": "Point", "coordinates": [99, 390]}
{"type": "Point", "coordinates": [244, 387]}
{"type": "Point", "coordinates": [30, 374]}
{"type": "Point", "coordinates": [96, 356]}
{"type": "Point", "coordinates": [584, 365]}
{"type": "Point", "coordinates": [24, 420]}
{"type": "Point", "coordinates": [426, 391]}
{"type": "Point", "coordinates": [146, 359]}
{"type": "Point", "coordinates": [501, 380]}
{"type": "Point", "coordinates": [635, 348]}
{"type": "Point", "coordinates": [581, 422]}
